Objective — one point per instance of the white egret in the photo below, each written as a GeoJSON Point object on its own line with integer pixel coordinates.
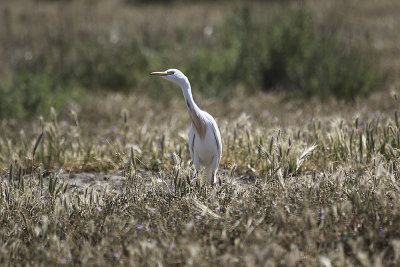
{"type": "Point", "coordinates": [204, 137]}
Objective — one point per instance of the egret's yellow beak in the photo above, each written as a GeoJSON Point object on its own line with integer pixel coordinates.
{"type": "Point", "coordinates": [162, 73]}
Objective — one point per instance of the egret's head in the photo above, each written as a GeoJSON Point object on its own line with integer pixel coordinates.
{"type": "Point", "coordinates": [172, 75]}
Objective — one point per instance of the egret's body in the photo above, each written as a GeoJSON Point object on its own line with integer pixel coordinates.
{"type": "Point", "coordinates": [204, 137]}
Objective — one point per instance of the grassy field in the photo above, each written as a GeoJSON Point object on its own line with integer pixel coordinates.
{"type": "Point", "coordinates": [110, 179]}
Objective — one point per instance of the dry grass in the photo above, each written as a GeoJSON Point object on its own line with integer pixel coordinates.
{"type": "Point", "coordinates": [282, 200]}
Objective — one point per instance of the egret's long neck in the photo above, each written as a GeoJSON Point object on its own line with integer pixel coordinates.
{"type": "Point", "coordinates": [196, 116]}
{"type": "Point", "coordinates": [187, 93]}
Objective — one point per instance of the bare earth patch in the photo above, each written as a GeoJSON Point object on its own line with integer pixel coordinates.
{"type": "Point", "coordinates": [101, 181]}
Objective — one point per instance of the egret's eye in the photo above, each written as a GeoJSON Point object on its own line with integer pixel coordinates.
{"type": "Point", "coordinates": [171, 72]}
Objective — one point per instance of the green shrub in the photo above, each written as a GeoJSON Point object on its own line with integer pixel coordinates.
{"type": "Point", "coordinates": [93, 66]}
{"type": "Point", "coordinates": [29, 95]}
{"type": "Point", "coordinates": [113, 67]}
{"type": "Point", "coordinates": [218, 67]}
{"type": "Point", "coordinates": [310, 62]}
{"type": "Point", "coordinates": [211, 71]}
{"type": "Point", "coordinates": [288, 52]}
{"type": "Point", "coordinates": [47, 79]}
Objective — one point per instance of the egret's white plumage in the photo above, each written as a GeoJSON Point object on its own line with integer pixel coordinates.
{"type": "Point", "coordinates": [204, 137]}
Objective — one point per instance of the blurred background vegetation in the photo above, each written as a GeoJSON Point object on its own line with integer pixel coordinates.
{"type": "Point", "coordinates": [57, 53]}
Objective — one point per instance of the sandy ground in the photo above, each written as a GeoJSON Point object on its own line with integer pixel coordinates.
{"type": "Point", "coordinates": [79, 181]}
{"type": "Point", "coordinates": [114, 182]}
{"type": "Point", "coordinates": [99, 181]}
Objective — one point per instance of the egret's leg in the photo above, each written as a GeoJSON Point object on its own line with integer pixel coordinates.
{"type": "Point", "coordinates": [212, 171]}
{"type": "Point", "coordinates": [196, 162]}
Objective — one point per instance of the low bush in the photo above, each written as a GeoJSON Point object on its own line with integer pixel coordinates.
{"type": "Point", "coordinates": [311, 62]}
{"type": "Point", "coordinates": [111, 67]}
{"type": "Point", "coordinates": [212, 72]}
{"type": "Point", "coordinates": [29, 95]}
{"type": "Point", "coordinates": [47, 79]}
{"type": "Point", "coordinates": [289, 52]}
